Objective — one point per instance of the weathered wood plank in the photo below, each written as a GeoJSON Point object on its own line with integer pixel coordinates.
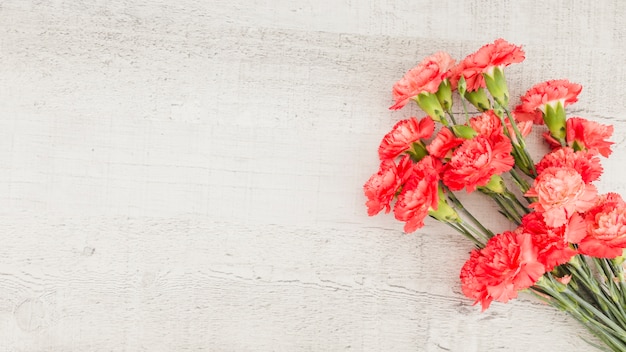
{"type": "Point", "coordinates": [186, 284]}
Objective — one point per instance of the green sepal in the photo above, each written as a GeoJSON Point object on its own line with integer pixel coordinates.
{"type": "Point", "coordinates": [444, 212]}
{"type": "Point", "coordinates": [464, 131]}
{"type": "Point", "coordinates": [479, 99]}
{"type": "Point", "coordinates": [554, 118]}
{"type": "Point", "coordinates": [418, 151]}
{"type": "Point", "coordinates": [430, 104]}
{"type": "Point", "coordinates": [444, 95]}
{"type": "Point", "coordinates": [462, 86]}
{"type": "Point", "coordinates": [495, 185]}
{"type": "Point", "coordinates": [496, 85]}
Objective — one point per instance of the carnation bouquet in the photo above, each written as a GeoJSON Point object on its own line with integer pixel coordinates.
{"type": "Point", "coordinates": [566, 240]}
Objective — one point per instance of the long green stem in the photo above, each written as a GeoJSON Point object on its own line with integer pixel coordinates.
{"type": "Point", "coordinates": [478, 233]}
{"type": "Point", "coordinates": [504, 211]}
{"type": "Point", "coordinates": [519, 145]}
{"type": "Point", "coordinates": [618, 274]}
{"type": "Point", "coordinates": [511, 205]}
{"type": "Point", "coordinates": [618, 330]}
{"type": "Point", "coordinates": [521, 184]}
{"type": "Point", "coordinates": [508, 208]}
{"type": "Point", "coordinates": [459, 206]}
{"type": "Point", "coordinates": [604, 294]}
{"type": "Point", "coordinates": [612, 288]}
{"type": "Point", "coordinates": [451, 117]}
{"type": "Point", "coordinates": [464, 107]}
{"type": "Point", "coordinates": [457, 227]}
{"type": "Point", "coordinates": [561, 297]}
{"type": "Point", "coordinates": [517, 202]}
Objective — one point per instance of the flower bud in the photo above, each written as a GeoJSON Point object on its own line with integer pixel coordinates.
{"type": "Point", "coordinates": [444, 94]}
{"type": "Point", "coordinates": [430, 104]}
{"type": "Point", "coordinates": [417, 151]}
{"type": "Point", "coordinates": [464, 131]}
{"type": "Point", "coordinates": [495, 185]}
{"type": "Point", "coordinates": [444, 212]}
{"type": "Point", "coordinates": [479, 99]}
{"type": "Point", "coordinates": [461, 86]}
{"type": "Point", "coordinates": [496, 84]}
{"type": "Point", "coordinates": [554, 118]}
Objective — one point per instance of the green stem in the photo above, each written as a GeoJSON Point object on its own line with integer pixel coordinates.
{"type": "Point", "coordinates": [520, 146]}
{"type": "Point", "coordinates": [443, 120]}
{"type": "Point", "coordinates": [457, 227]}
{"type": "Point", "coordinates": [599, 292]}
{"type": "Point", "coordinates": [503, 210]}
{"type": "Point", "coordinates": [508, 208]}
{"type": "Point", "coordinates": [618, 273]}
{"type": "Point", "coordinates": [619, 331]}
{"type": "Point", "coordinates": [517, 202]}
{"type": "Point", "coordinates": [564, 299]}
{"type": "Point", "coordinates": [464, 107]}
{"type": "Point", "coordinates": [451, 117]}
{"type": "Point", "coordinates": [459, 206]}
{"type": "Point", "coordinates": [521, 184]}
{"type": "Point", "coordinates": [614, 289]}
{"type": "Point", "coordinates": [473, 230]}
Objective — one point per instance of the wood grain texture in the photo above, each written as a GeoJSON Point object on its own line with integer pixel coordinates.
{"type": "Point", "coordinates": [187, 175]}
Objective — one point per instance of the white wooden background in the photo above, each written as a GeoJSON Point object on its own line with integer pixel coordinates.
{"type": "Point", "coordinates": [186, 175]}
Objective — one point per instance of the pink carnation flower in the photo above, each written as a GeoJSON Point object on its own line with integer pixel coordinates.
{"type": "Point", "coordinates": [586, 163]}
{"type": "Point", "coordinates": [507, 264]}
{"type": "Point", "coordinates": [403, 134]}
{"type": "Point", "coordinates": [606, 228]}
{"type": "Point", "coordinates": [486, 123]}
{"type": "Point", "coordinates": [560, 192]}
{"type": "Point", "coordinates": [500, 53]}
{"type": "Point", "coordinates": [424, 78]}
{"type": "Point", "coordinates": [589, 135]}
{"type": "Point", "coordinates": [552, 243]}
{"type": "Point", "coordinates": [441, 146]}
{"type": "Point", "coordinates": [476, 160]}
{"type": "Point", "coordinates": [381, 187]}
{"type": "Point", "coordinates": [534, 102]}
{"type": "Point", "coordinates": [419, 194]}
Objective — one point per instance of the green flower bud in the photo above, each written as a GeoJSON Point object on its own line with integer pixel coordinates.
{"type": "Point", "coordinates": [461, 86]}
{"type": "Point", "coordinates": [479, 99]}
{"type": "Point", "coordinates": [430, 104]}
{"type": "Point", "coordinates": [444, 95]}
{"type": "Point", "coordinates": [495, 185]}
{"type": "Point", "coordinates": [464, 131]}
{"type": "Point", "coordinates": [418, 151]}
{"type": "Point", "coordinates": [496, 85]}
{"type": "Point", "coordinates": [444, 212]}
{"type": "Point", "coordinates": [554, 118]}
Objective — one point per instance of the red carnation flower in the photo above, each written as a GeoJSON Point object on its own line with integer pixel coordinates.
{"type": "Point", "coordinates": [382, 186]}
{"type": "Point", "coordinates": [486, 123]}
{"type": "Point", "coordinates": [419, 194]}
{"type": "Point", "coordinates": [553, 247]}
{"type": "Point", "coordinates": [424, 78]}
{"type": "Point", "coordinates": [500, 53]}
{"type": "Point", "coordinates": [589, 135]}
{"type": "Point", "coordinates": [586, 163]}
{"type": "Point", "coordinates": [403, 134]}
{"type": "Point", "coordinates": [476, 160]}
{"type": "Point", "coordinates": [507, 264]}
{"type": "Point", "coordinates": [534, 102]}
{"type": "Point", "coordinates": [441, 146]}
